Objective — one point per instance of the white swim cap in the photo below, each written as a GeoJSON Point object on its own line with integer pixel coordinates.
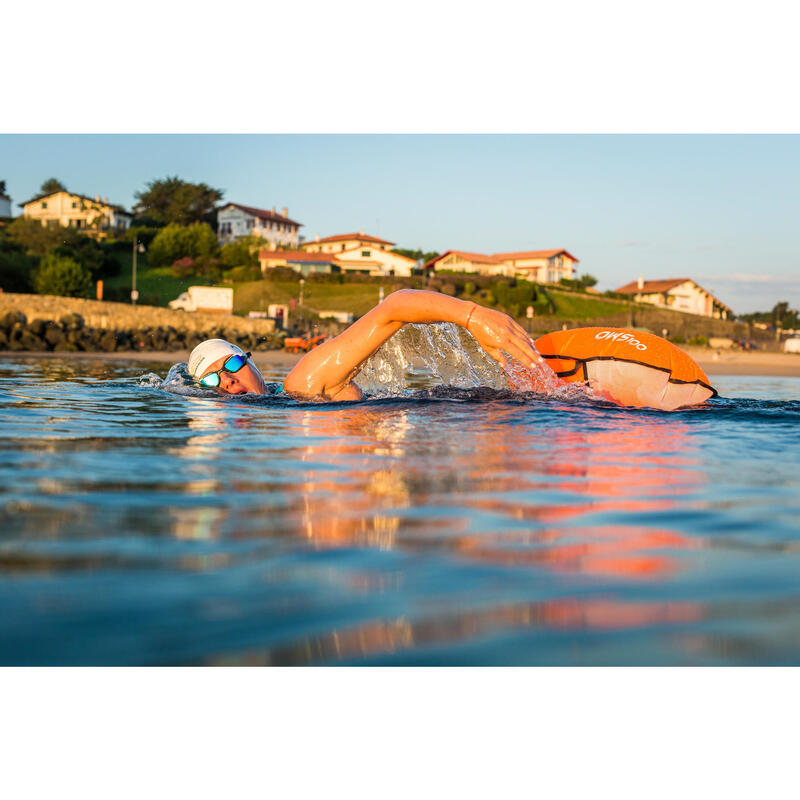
{"type": "Point", "coordinates": [207, 352]}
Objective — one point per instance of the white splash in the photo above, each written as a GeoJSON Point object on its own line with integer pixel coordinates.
{"type": "Point", "coordinates": [451, 356]}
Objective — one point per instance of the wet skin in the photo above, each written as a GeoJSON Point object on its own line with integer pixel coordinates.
{"type": "Point", "coordinates": [327, 371]}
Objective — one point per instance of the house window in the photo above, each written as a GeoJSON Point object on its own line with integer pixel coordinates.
{"type": "Point", "coordinates": [44, 205]}
{"type": "Point", "coordinates": [74, 203]}
{"type": "Point", "coordinates": [249, 223]}
{"type": "Point", "coordinates": [366, 253]}
{"type": "Point", "coordinates": [344, 247]}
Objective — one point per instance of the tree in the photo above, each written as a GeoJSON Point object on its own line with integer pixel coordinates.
{"type": "Point", "coordinates": [90, 255]}
{"type": "Point", "coordinates": [52, 185]}
{"type": "Point", "coordinates": [417, 255]}
{"type": "Point", "coordinates": [172, 200]}
{"type": "Point", "coordinates": [63, 276]}
{"type": "Point", "coordinates": [181, 241]}
{"type": "Point", "coordinates": [37, 239]}
{"type": "Point", "coordinates": [2, 187]}
{"type": "Point", "coordinates": [587, 280]}
{"type": "Point", "coordinates": [242, 252]}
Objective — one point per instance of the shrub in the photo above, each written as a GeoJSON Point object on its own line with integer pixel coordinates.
{"type": "Point", "coordinates": [63, 276]}
{"type": "Point", "coordinates": [241, 253]}
{"type": "Point", "coordinates": [244, 274]}
{"type": "Point", "coordinates": [183, 267]}
{"type": "Point", "coordinates": [208, 267]}
{"type": "Point", "coordinates": [180, 241]}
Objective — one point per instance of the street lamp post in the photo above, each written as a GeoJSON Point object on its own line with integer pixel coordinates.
{"type": "Point", "coordinates": [137, 247]}
{"type": "Point", "coordinates": [302, 284]}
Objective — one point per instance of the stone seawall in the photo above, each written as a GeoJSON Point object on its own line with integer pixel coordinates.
{"type": "Point", "coordinates": [44, 322]}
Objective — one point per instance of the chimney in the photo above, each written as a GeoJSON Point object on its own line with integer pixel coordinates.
{"type": "Point", "coordinates": [97, 198]}
{"type": "Point", "coordinates": [361, 233]}
{"type": "Point", "coordinates": [285, 211]}
{"type": "Point", "coordinates": [316, 238]}
{"type": "Point", "coordinates": [273, 209]}
{"type": "Point", "coordinates": [105, 200]}
{"type": "Point", "coordinates": [640, 283]}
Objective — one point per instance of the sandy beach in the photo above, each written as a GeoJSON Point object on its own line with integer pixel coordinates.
{"type": "Point", "coordinates": [729, 362]}
{"type": "Point", "coordinates": [737, 362]}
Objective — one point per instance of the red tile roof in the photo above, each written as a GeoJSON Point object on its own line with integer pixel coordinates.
{"type": "Point", "coordinates": [523, 254]}
{"type": "Point", "coordinates": [478, 258]}
{"type": "Point", "coordinates": [362, 237]}
{"type": "Point", "coordinates": [651, 286]}
{"type": "Point", "coordinates": [262, 214]}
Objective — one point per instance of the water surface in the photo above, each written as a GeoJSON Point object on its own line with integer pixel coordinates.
{"type": "Point", "coordinates": [468, 526]}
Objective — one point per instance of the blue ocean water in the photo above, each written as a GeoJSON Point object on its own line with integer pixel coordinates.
{"type": "Point", "coordinates": [439, 526]}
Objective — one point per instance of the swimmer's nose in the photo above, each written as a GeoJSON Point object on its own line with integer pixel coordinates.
{"type": "Point", "coordinates": [229, 383]}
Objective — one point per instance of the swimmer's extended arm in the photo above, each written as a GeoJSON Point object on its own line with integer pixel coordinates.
{"type": "Point", "coordinates": [326, 371]}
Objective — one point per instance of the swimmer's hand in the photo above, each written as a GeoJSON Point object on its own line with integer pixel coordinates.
{"type": "Point", "coordinates": [498, 334]}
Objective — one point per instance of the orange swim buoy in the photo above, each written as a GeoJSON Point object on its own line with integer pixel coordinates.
{"type": "Point", "coordinates": [628, 367]}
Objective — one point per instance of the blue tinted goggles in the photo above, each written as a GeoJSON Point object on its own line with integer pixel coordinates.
{"type": "Point", "coordinates": [233, 364]}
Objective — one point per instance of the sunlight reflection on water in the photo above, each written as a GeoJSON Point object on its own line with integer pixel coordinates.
{"type": "Point", "coordinates": [142, 527]}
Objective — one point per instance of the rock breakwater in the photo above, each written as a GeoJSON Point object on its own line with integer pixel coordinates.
{"type": "Point", "coordinates": [44, 323]}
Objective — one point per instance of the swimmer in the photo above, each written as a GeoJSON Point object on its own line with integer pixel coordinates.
{"type": "Point", "coordinates": [327, 372]}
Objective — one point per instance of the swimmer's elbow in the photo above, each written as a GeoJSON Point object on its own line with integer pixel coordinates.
{"type": "Point", "coordinates": [392, 306]}
{"type": "Point", "coordinates": [294, 385]}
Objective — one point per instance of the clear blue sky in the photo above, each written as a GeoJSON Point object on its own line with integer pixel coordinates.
{"type": "Point", "coordinates": [723, 210]}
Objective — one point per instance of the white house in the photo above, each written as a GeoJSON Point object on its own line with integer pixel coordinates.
{"type": "Point", "coordinates": [346, 241]}
{"type": "Point", "coordinates": [680, 294]}
{"type": "Point", "coordinates": [463, 261]}
{"type": "Point", "coordinates": [537, 266]}
{"type": "Point", "coordinates": [93, 216]}
{"type": "Point", "coordinates": [360, 252]}
{"type": "Point", "coordinates": [540, 266]}
{"type": "Point", "coordinates": [235, 220]}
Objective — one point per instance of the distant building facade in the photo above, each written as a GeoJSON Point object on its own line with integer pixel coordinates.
{"type": "Point", "coordinates": [235, 221]}
{"type": "Point", "coordinates": [679, 294]}
{"type": "Point", "coordinates": [5, 201]}
{"type": "Point", "coordinates": [538, 266]}
{"type": "Point", "coordinates": [381, 264]}
{"type": "Point", "coordinates": [464, 261]}
{"type": "Point", "coordinates": [95, 217]}
{"type": "Point", "coordinates": [298, 260]}
{"type": "Point", "coordinates": [360, 252]}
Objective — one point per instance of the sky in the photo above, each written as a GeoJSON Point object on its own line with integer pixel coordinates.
{"type": "Point", "coordinates": [720, 209]}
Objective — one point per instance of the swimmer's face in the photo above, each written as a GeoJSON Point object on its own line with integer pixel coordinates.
{"type": "Point", "coordinates": [243, 381]}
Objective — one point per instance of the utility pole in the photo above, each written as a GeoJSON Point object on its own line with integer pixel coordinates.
{"type": "Point", "coordinates": [137, 247]}
{"type": "Point", "coordinates": [134, 293]}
